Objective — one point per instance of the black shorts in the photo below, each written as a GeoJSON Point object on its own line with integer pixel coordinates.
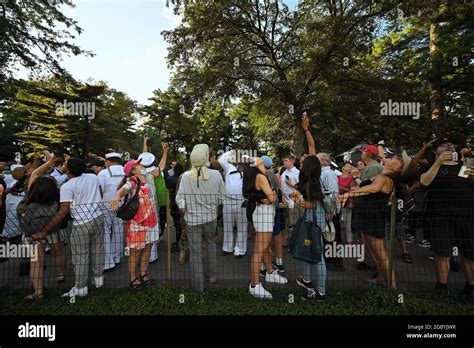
{"type": "Point", "coordinates": [448, 232]}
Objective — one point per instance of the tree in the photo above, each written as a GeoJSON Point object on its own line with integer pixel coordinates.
{"type": "Point", "coordinates": [100, 117]}
{"type": "Point", "coordinates": [263, 49]}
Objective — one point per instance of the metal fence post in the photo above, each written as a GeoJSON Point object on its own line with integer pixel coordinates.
{"type": "Point", "coordinates": [168, 231]}
{"type": "Point", "coordinates": [391, 246]}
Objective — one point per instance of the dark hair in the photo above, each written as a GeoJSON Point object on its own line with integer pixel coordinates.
{"type": "Point", "coordinates": [97, 163]}
{"type": "Point", "coordinates": [309, 179]}
{"type": "Point", "coordinates": [178, 169]}
{"type": "Point", "coordinates": [115, 160]}
{"type": "Point", "coordinates": [44, 190]}
{"type": "Point", "coordinates": [76, 166]}
{"type": "Point", "coordinates": [290, 157]}
{"type": "Point", "coordinates": [249, 179]}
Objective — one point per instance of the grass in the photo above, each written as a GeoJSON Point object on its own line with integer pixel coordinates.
{"type": "Point", "coordinates": [219, 301]}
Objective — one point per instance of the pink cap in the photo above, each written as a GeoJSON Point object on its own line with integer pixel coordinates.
{"type": "Point", "coordinates": [127, 168]}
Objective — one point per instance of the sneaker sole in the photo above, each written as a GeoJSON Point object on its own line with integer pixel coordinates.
{"type": "Point", "coordinates": [274, 282]}
{"type": "Point", "coordinates": [262, 297]}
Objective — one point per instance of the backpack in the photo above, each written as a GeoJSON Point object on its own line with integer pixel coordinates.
{"type": "Point", "coordinates": [130, 207]}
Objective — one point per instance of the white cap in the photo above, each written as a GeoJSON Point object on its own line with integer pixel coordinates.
{"type": "Point", "coordinates": [14, 166]}
{"type": "Point", "coordinates": [147, 158]}
{"type": "Point", "coordinates": [113, 154]}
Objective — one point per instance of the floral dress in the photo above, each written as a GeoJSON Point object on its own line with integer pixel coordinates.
{"type": "Point", "coordinates": [139, 231]}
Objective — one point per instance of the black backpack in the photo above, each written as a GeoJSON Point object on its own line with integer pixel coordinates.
{"type": "Point", "coordinates": [130, 207]}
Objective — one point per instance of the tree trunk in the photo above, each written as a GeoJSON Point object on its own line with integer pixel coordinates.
{"type": "Point", "coordinates": [438, 114]}
{"type": "Point", "coordinates": [297, 139]}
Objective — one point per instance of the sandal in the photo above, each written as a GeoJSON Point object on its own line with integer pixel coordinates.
{"type": "Point", "coordinates": [135, 285]}
{"type": "Point", "coordinates": [406, 258]}
{"type": "Point", "coordinates": [33, 297]}
{"type": "Point", "coordinates": [145, 280]}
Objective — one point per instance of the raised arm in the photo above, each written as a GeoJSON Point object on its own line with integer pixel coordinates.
{"type": "Point", "coordinates": [309, 136]}
{"type": "Point", "coordinates": [145, 143]}
{"type": "Point", "coordinates": [41, 170]}
{"type": "Point", "coordinates": [164, 157]}
{"type": "Point", "coordinates": [224, 161]}
{"type": "Point", "coordinates": [422, 151]}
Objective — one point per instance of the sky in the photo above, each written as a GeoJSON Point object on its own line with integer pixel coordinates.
{"type": "Point", "coordinates": [125, 35]}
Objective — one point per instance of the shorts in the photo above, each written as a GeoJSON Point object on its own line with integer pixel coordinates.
{"type": "Point", "coordinates": [264, 218]}
{"type": "Point", "coordinates": [447, 232]}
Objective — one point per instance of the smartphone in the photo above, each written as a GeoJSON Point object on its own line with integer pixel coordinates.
{"type": "Point", "coordinates": [287, 177]}
{"type": "Point", "coordinates": [461, 172]}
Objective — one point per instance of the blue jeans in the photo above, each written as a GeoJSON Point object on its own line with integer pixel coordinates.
{"type": "Point", "coordinates": [320, 269]}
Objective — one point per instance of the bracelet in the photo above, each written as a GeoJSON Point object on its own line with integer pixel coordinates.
{"type": "Point", "coordinates": [306, 130]}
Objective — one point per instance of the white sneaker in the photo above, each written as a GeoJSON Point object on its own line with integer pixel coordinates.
{"type": "Point", "coordinates": [259, 292]}
{"type": "Point", "coordinates": [76, 292]}
{"type": "Point", "coordinates": [274, 277]}
{"type": "Point", "coordinates": [99, 281]}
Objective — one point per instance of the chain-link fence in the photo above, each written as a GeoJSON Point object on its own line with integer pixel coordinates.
{"type": "Point", "coordinates": [217, 241]}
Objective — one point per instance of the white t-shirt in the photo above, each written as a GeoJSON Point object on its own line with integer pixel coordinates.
{"type": "Point", "coordinates": [109, 181]}
{"type": "Point", "coordinates": [59, 176]}
{"type": "Point", "coordinates": [84, 194]}
{"type": "Point", "coordinates": [294, 177]}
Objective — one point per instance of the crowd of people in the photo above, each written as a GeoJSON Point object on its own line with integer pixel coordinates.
{"type": "Point", "coordinates": [107, 210]}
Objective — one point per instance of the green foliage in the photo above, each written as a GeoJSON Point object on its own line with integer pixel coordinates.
{"type": "Point", "coordinates": [220, 301]}
{"type": "Point", "coordinates": [37, 122]}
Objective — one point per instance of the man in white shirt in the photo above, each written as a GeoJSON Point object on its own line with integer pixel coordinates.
{"type": "Point", "coordinates": [233, 213]}
{"type": "Point", "coordinates": [109, 179]}
{"type": "Point", "coordinates": [289, 180]}
{"type": "Point", "coordinates": [80, 196]}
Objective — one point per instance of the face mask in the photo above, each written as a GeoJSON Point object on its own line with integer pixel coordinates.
{"type": "Point", "coordinates": [143, 171]}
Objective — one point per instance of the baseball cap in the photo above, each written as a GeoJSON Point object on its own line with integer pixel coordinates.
{"type": "Point", "coordinates": [370, 149]}
{"type": "Point", "coordinates": [147, 158]}
{"type": "Point", "coordinates": [267, 161]}
{"type": "Point", "coordinates": [127, 168]}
